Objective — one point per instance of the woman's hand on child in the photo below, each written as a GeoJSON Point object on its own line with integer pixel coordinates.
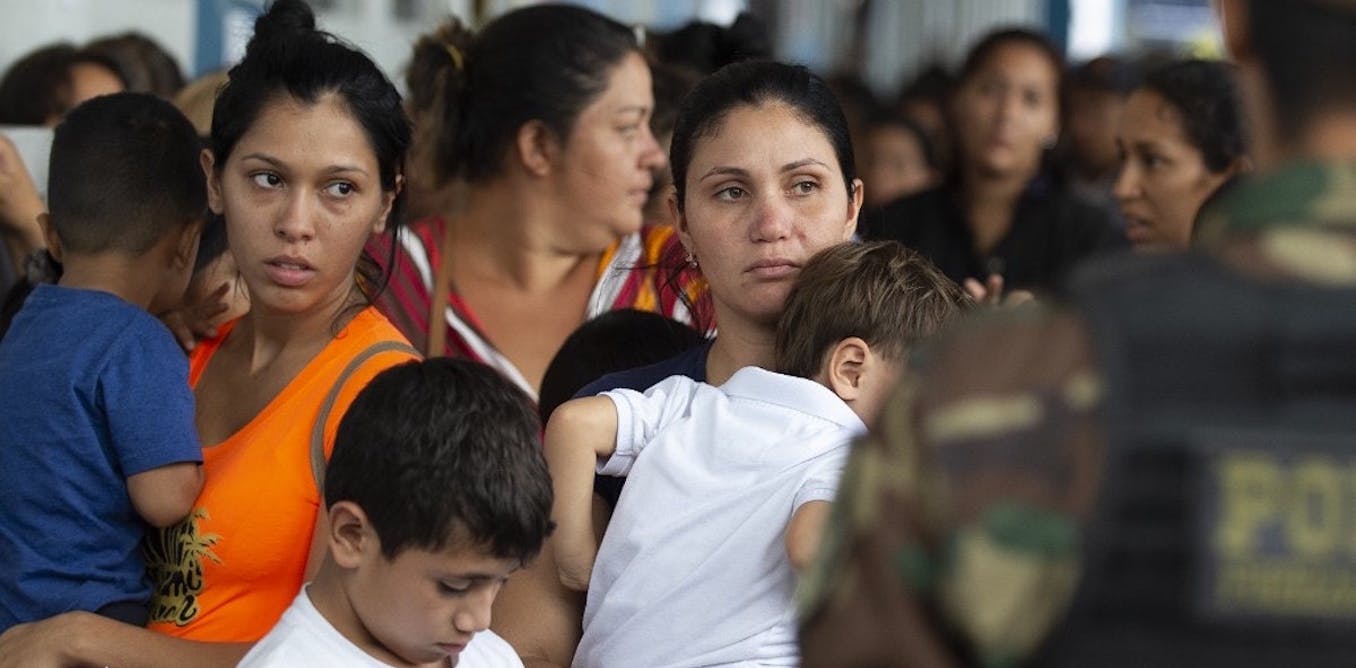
{"type": "Point", "coordinates": [40, 644]}
{"type": "Point", "coordinates": [20, 203]}
{"type": "Point", "coordinates": [192, 322]}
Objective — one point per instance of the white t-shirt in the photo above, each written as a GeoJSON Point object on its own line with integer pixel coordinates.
{"type": "Point", "coordinates": [693, 569]}
{"type": "Point", "coordinates": [305, 638]}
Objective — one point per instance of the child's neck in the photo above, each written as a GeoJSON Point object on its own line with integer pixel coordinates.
{"type": "Point", "coordinates": [118, 274]}
{"type": "Point", "coordinates": [327, 594]}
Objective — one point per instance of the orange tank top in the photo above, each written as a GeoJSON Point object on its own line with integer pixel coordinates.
{"type": "Point", "coordinates": [230, 569]}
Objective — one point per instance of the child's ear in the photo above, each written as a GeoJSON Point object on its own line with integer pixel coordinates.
{"type": "Point", "coordinates": [214, 198]}
{"type": "Point", "coordinates": [848, 362]}
{"type": "Point", "coordinates": [49, 236]}
{"type": "Point", "coordinates": [186, 250]}
{"type": "Point", "coordinates": [351, 537]}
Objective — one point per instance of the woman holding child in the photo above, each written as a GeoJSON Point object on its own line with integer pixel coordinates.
{"type": "Point", "coordinates": [763, 171]}
{"type": "Point", "coordinates": [307, 150]}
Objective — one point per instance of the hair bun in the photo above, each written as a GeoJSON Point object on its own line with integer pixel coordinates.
{"type": "Point", "coordinates": [284, 19]}
{"type": "Point", "coordinates": [438, 65]}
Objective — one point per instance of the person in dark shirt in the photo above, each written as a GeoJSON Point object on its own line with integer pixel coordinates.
{"type": "Point", "coordinates": [998, 220]}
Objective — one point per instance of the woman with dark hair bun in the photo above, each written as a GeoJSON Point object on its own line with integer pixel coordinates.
{"type": "Point", "coordinates": [541, 120]}
{"type": "Point", "coordinates": [998, 220]}
{"type": "Point", "coordinates": [1181, 139]}
{"type": "Point", "coordinates": [305, 165]}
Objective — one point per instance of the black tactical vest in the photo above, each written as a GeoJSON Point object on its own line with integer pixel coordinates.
{"type": "Point", "coordinates": [1225, 533]}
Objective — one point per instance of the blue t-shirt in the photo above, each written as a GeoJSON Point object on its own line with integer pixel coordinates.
{"type": "Point", "coordinates": [92, 390]}
{"type": "Point", "coordinates": [690, 363]}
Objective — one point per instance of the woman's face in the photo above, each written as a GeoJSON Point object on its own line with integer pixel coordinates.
{"type": "Point", "coordinates": [1163, 180]}
{"type": "Point", "coordinates": [301, 193]}
{"type": "Point", "coordinates": [1007, 112]}
{"type": "Point", "coordinates": [607, 164]}
{"type": "Point", "coordinates": [88, 81]}
{"type": "Point", "coordinates": [764, 192]}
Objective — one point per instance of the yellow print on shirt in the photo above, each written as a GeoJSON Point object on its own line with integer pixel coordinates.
{"type": "Point", "coordinates": [174, 557]}
{"type": "Point", "coordinates": [1284, 539]}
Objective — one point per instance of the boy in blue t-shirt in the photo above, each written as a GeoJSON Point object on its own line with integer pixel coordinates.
{"type": "Point", "coordinates": [96, 417]}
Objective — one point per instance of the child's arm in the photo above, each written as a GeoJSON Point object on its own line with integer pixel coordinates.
{"type": "Point", "coordinates": [804, 532]}
{"type": "Point", "coordinates": [580, 431]}
{"type": "Point", "coordinates": [165, 495]}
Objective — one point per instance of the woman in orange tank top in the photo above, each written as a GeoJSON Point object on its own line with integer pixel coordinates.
{"type": "Point", "coordinates": [307, 147]}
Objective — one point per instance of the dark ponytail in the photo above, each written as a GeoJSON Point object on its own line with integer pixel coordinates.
{"type": "Point", "coordinates": [541, 63]}
{"type": "Point", "coordinates": [436, 80]}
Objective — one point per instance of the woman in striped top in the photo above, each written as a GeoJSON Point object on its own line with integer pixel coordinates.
{"type": "Point", "coordinates": [543, 116]}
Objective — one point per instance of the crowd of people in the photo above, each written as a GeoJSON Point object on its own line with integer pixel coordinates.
{"type": "Point", "coordinates": [601, 351]}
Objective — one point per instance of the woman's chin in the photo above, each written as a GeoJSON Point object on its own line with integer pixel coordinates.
{"type": "Point", "coordinates": [1003, 162]}
{"type": "Point", "coordinates": [763, 303]}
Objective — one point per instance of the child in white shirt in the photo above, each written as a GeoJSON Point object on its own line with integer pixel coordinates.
{"type": "Point", "coordinates": [728, 487]}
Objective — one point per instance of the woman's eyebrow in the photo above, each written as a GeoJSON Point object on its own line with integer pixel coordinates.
{"type": "Point", "coordinates": [724, 171]}
{"type": "Point", "coordinates": [792, 166]}
{"type": "Point", "coordinates": [741, 172]}
{"type": "Point", "coordinates": [262, 157]}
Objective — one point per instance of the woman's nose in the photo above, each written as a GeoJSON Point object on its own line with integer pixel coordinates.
{"type": "Point", "coordinates": [774, 218]}
{"type": "Point", "coordinates": [296, 223]}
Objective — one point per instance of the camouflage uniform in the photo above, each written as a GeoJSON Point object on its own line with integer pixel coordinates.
{"type": "Point", "coordinates": [962, 528]}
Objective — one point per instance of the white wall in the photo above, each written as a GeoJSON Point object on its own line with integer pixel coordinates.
{"type": "Point", "coordinates": [370, 24]}
{"type": "Point", "coordinates": [26, 25]}
{"type": "Point", "coordinates": [905, 35]}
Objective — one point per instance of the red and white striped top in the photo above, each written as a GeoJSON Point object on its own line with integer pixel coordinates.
{"type": "Point", "coordinates": [634, 273]}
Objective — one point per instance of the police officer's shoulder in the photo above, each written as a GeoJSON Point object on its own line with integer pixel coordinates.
{"type": "Point", "coordinates": [1002, 371]}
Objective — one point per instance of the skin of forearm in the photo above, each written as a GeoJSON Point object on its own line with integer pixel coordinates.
{"type": "Point", "coordinates": [87, 639]}
{"type": "Point", "coordinates": [575, 438]}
